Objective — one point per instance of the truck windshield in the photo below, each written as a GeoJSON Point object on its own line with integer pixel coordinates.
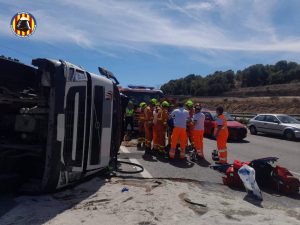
{"type": "Point", "coordinates": [138, 97]}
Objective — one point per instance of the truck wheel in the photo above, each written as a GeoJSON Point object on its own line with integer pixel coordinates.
{"type": "Point", "coordinates": [289, 134]}
{"type": "Point", "coordinates": [253, 130]}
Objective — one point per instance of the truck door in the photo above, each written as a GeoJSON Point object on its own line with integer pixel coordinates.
{"type": "Point", "coordinates": [75, 121]}
{"type": "Point", "coordinates": [101, 123]}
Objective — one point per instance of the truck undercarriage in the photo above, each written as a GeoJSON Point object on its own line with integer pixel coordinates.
{"type": "Point", "coordinates": [23, 124]}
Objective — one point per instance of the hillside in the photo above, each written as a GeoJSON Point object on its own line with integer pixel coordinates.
{"type": "Point", "coordinates": [291, 89]}
{"type": "Point", "coordinates": [280, 79]}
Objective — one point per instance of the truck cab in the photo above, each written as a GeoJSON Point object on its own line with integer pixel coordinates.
{"type": "Point", "coordinates": [59, 123]}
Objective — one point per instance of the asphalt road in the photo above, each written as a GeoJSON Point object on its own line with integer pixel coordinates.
{"type": "Point", "coordinates": [252, 147]}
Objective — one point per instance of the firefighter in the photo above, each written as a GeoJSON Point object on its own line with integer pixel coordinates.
{"type": "Point", "coordinates": [170, 124]}
{"type": "Point", "coordinates": [198, 131]}
{"type": "Point", "coordinates": [181, 117]}
{"type": "Point", "coordinates": [190, 126]}
{"type": "Point", "coordinates": [141, 120]}
{"type": "Point", "coordinates": [156, 110]}
{"type": "Point", "coordinates": [129, 114]}
{"type": "Point", "coordinates": [162, 119]}
{"type": "Point", "coordinates": [221, 134]}
{"type": "Point", "coordinates": [148, 112]}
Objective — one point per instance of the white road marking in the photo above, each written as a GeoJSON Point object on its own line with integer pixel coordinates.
{"type": "Point", "coordinates": [145, 173]}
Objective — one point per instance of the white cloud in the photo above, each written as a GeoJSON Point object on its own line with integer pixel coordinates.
{"type": "Point", "coordinates": [199, 6]}
{"type": "Point", "coordinates": [109, 25]}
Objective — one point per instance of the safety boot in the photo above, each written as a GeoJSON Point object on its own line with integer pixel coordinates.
{"type": "Point", "coordinates": [182, 155]}
{"type": "Point", "coordinates": [215, 155]}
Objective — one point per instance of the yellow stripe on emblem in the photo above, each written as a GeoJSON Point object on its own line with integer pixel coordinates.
{"type": "Point", "coordinates": [14, 24]}
{"type": "Point", "coordinates": [32, 25]}
{"type": "Point", "coordinates": [18, 31]}
{"type": "Point", "coordinates": [28, 17]}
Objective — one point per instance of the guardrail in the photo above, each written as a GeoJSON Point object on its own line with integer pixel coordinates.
{"type": "Point", "coordinates": [245, 117]}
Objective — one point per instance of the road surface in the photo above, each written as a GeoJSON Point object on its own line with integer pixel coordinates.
{"type": "Point", "coordinates": [252, 147]}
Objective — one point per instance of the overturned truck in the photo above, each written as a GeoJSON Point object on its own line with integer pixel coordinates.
{"type": "Point", "coordinates": [58, 123]}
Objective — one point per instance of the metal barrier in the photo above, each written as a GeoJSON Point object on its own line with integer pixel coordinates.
{"type": "Point", "coordinates": [248, 116]}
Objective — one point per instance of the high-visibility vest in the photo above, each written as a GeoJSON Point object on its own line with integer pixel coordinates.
{"type": "Point", "coordinates": [129, 112]}
{"type": "Point", "coordinates": [163, 116]}
{"type": "Point", "coordinates": [224, 124]}
{"type": "Point", "coordinates": [148, 112]}
{"type": "Point", "coordinates": [141, 116]}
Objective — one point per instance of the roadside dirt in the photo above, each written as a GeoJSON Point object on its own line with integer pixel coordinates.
{"type": "Point", "coordinates": [148, 201]}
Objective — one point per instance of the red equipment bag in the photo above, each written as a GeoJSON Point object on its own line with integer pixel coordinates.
{"type": "Point", "coordinates": [284, 181]}
{"type": "Point", "coordinates": [232, 178]}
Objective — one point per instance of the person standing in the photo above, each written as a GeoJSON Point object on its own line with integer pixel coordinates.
{"type": "Point", "coordinates": [221, 134]}
{"type": "Point", "coordinates": [148, 112]}
{"type": "Point", "coordinates": [198, 131]}
{"type": "Point", "coordinates": [162, 119]}
{"type": "Point", "coordinates": [156, 110]}
{"type": "Point", "coordinates": [141, 121]}
{"type": "Point", "coordinates": [190, 126]}
{"type": "Point", "coordinates": [170, 126]}
{"type": "Point", "coordinates": [129, 114]}
{"type": "Point", "coordinates": [181, 117]}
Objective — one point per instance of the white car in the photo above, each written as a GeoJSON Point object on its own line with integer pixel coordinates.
{"type": "Point", "coordinates": [281, 124]}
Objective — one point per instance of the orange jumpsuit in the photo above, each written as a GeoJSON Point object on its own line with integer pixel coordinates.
{"type": "Point", "coordinates": [155, 128]}
{"type": "Point", "coordinates": [190, 127]}
{"type": "Point", "coordinates": [198, 132]}
{"type": "Point", "coordinates": [141, 121]}
{"type": "Point", "coordinates": [148, 124]}
{"type": "Point", "coordinates": [179, 132]}
{"type": "Point", "coordinates": [162, 119]}
{"type": "Point", "coordinates": [222, 138]}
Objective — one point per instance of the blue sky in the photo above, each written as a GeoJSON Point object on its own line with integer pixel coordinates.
{"type": "Point", "coordinates": [153, 41]}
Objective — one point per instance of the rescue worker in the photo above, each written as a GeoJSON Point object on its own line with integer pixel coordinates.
{"type": "Point", "coordinates": [198, 131]}
{"type": "Point", "coordinates": [129, 114]}
{"type": "Point", "coordinates": [221, 134]}
{"type": "Point", "coordinates": [181, 117]}
{"type": "Point", "coordinates": [156, 109]}
{"type": "Point", "coordinates": [148, 124]}
{"type": "Point", "coordinates": [162, 119]}
{"type": "Point", "coordinates": [190, 126]}
{"type": "Point", "coordinates": [170, 125]}
{"type": "Point", "coordinates": [141, 120]}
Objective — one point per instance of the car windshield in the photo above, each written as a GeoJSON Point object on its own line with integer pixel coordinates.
{"type": "Point", "coordinates": [227, 116]}
{"type": "Point", "coordinates": [138, 97]}
{"type": "Point", "coordinates": [288, 119]}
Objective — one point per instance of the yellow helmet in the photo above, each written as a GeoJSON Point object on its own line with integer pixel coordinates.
{"type": "Point", "coordinates": [189, 103]}
{"type": "Point", "coordinates": [143, 104]}
{"type": "Point", "coordinates": [153, 101]}
{"type": "Point", "coordinates": [165, 104]}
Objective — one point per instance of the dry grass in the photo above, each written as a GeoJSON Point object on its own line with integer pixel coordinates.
{"type": "Point", "coordinates": [291, 89]}
{"type": "Point", "coordinates": [287, 105]}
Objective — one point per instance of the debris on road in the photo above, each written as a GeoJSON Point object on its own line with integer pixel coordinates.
{"type": "Point", "coordinates": [267, 176]}
{"type": "Point", "coordinates": [125, 189]}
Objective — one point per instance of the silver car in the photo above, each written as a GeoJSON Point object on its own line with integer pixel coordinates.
{"type": "Point", "coordinates": [281, 124]}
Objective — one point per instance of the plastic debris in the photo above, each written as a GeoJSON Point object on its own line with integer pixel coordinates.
{"type": "Point", "coordinates": [125, 189]}
{"type": "Point", "coordinates": [247, 175]}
